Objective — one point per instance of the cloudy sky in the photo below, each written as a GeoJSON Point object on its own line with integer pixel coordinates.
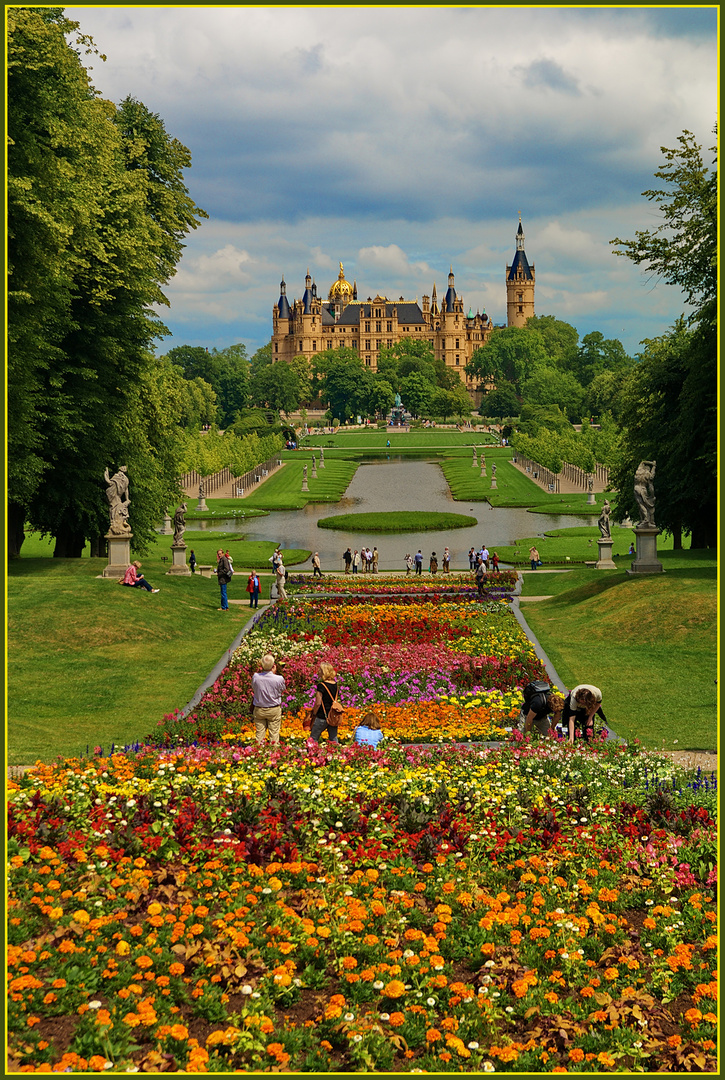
{"type": "Point", "coordinates": [403, 140]}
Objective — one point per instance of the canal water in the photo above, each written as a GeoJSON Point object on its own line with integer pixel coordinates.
{"type": "Point", "coordinates": [389, 485]}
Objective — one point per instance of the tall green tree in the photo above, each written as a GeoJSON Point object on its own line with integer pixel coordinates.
{"type": "Point", "coordinates": [97, 210]}
{"type": "Point", "coordinates": [344, 382]}
{"type": "Point", "coordinates": [552, 386]}
{"type": "Point", "coordinates": [511, 355]}
{"type": "Point", "coordinates": [669, 406]}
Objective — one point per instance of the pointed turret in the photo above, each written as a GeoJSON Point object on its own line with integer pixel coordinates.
{"type": "Point", "coordinates": [451, 294]}
{"type": "Point", "coordinates": [283, 302]}
{"type": "Point", "coordinates": [307, 295]}
{"type": "Point", "coordinates": [520, 282]}
{"type": "Point", "coordinates": [434, 301]}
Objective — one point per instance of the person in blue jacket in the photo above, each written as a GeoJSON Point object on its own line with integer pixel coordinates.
{"type": "Point", "coordinates": [368, 731]}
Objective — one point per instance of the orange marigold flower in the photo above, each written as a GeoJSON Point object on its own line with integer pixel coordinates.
{"type": "Point", "coordinates": [396, 1019]}
{"type": "Point", "coordinates": [605, 1059]}
{"type": "Point", "coordinates": [611, 973]}
{"type": "Point", "coordinates": [576, 1054]}
{"type": "Point", "coordinates": [394, 989]}
{"type": "Point", "coordinates": [433, 1035]}
{"type": "Point", "coordinates": [674, 1041]}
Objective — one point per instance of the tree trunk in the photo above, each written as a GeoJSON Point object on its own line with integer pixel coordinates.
{"type": "Point", "coordinates": [69, 543]}
{"type": "Point", "coordinates": [99, 547]}
{"type": "Point", "coordinates": [677, 538]}
{"type": "Point", "coordinates": [704, 535]}
{"type": "Point", "coordinates": [16, 529]}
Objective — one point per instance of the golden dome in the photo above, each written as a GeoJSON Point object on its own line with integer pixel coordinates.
{"type": "Point", "coordinates": [341, 288]}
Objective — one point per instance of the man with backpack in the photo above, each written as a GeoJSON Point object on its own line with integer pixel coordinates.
{"type": "Point", "coordinates": [539, 703]}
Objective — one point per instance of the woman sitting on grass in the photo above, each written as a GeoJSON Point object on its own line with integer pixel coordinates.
{"type": "Point", "coordinates": [136, 580]}
{"type": "Point", "coordinates": [368, 731]}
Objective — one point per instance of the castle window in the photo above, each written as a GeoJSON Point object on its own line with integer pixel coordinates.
{"type": "Point", "coordinates": [354, 345]}
{"type": "Point", "coordinates": [314, 346]}
{"type": "Point", "coordinates": [367, 346]}
{"type": "Point", "coordinates": [276, 348]}
{"type": "Point", "coordinates": [521, 307]}
{"type": "Point", "coordinates": [521, 296]}
{"type": "Point", "coordinates": [300, 346]}
{"type": "Point", "coordinates": [458, 359]}
{"type": "Point", "coordinates": [458, 343]}
{"type": "Point", "coordinates": [367, 327]}
{"type": "Point", "coordinates": [367, 361]}
{"type": "Point", "coordinates": [378, 327]}
{"type": "Point", "coordinates": [390, 343]}
{"type": "Point", "coordinates": [329, 344]}
{"type": "Point", "coordinates": [378, 344]}
{"type": "Point", "coordinates": [390, 327]}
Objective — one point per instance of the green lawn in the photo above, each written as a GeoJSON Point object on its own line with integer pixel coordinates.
{"type": "Point", "coordinates": [283, 490]}
{"type": "Point", "coordinates": [578, 545]}
{"type": "Point", "coordinates": [649, 643]}
{"type": "Point", "coordinates": [399, 440]}
{"type": "Point", "coordinates": [399, 522]}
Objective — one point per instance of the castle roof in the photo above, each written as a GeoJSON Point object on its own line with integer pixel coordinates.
{"type": "Point", "coordinates": [520, 263]}
{"type": "Point", "coordinates": [283, 302]}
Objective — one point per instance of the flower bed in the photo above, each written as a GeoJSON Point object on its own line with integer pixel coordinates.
{"type": "Point", "coordinates": [435, 670]}
{"type": "Point", "coordinates": [495, 585]}
{"type": "Point", "coordinates": [205, 904]}
{"type": "Point", "coordinates": [227, 908]}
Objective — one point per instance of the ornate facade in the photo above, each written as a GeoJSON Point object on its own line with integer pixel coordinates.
{"type": "Point", "coordinates": [312, 325]}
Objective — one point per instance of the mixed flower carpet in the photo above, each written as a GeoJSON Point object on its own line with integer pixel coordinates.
{"type": "Point", "coordinates": [458, 900]}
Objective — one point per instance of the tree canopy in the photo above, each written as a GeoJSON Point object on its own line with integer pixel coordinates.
{"type": "Point", "coordinates": [97, 210]}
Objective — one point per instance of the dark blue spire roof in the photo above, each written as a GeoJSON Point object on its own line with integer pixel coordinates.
{"type": "Point", "coordinates": [522, 263]}
{"type": "Point", "coordinates": [283, 302]}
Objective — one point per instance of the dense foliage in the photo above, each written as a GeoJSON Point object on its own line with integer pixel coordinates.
{"type": "Point", "coordinates": [97, 211]}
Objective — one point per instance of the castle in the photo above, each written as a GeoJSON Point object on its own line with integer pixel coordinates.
{"type": "Point", "coordinates": [311, 325]}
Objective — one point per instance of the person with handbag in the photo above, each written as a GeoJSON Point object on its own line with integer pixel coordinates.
{"type": "Point", "coordinates": [326, 709]}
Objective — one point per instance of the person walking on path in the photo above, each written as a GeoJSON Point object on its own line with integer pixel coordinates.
{"type": "Point", "coordinates": [356, 560]}
{"type": "Point", "coordinates": [446, 561]}
{"type": "Point", "coordinates": [280, 578]}
{"type": "Point", "coordinates": [316, 568]}
{"type": "Point", "coordinates": [534, 556]}
{"type": "Point", "coordinates": [472, 559]}
{"type": "Point", "coordinates": [495, 561]}
{"type": "Point", "coordinates": [192, 561]}
{"type": "Point", "coordinates": [268, 687]}
{"type": "Point", "coordinates": [326, 693]}
{"type": "Point", "coordinates": [408, 564]}
{"type": "Point", "coordinates": [347, 559]}
{"type": "Point", "coordinates": [418, 562]}
{"type": "Point", "coordinates": [253, 589]}
{"type": "Point", "coordinates": [433, 564]}
{"type": "Point", "coordinates": [375, 560]}
{"type": "Point", "coordinates": [480, 577]}
{"type": "Point", "coordinates": [224, 576]}
{"type": "Point", "coordinates": [136, 580]}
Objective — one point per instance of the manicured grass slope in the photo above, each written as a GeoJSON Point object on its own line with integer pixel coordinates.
{"type": "Point", "coordinates": [648, 642]}
{"type": "Point", "coordinates": [283, 490]}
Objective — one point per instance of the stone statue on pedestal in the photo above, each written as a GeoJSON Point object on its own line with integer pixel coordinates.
{"type": "Point", "coordinates": [493, 471]}
{"type": "Point", "coordinates": [179, 523]}
{"type": "Point", "coordinates": [118, 501]}
{"type": "Point", "coordinates": [604, 523]}
{"type": "Point", "coordinates": [644, 491]}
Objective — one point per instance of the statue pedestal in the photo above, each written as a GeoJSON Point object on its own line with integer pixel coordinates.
{"type": "Point", "coordinates": [322, 462]}
{"type": "Point", "coordinates": [483, 471]}
{"type": "Point", "coordinates": [201, 505]}
{"type": "Point", "coordinates": [646, 561]}
{"type": "Point", "coordinates": [178, 566]}
{"type": "Point", "coordinates": [591, 499]}
{"type": "Point", "coordinates": [119, 555]}
{"type": "Point", "coordinates": [304, 485]}
{"type": "Point", "coordinates": [167, 528]}
{"type": "Point", "coordinates": [494, 485]}
{"type": "Point", "coordinates": [605, 561]}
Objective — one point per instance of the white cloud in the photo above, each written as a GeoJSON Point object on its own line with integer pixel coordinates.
{"type": "Point", "coordinates": [391, 259]}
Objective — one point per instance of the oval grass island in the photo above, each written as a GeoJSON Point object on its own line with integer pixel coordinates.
{"type": "Point", "coordinates": [404, 521]}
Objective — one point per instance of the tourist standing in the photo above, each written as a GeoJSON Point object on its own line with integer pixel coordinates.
{"type": "Point", "coordinates": [433, 564]}
{"type": "Point", "coordinates": [408, 564]}
{"type": "Point", "coordinates": [480, 577]}
{"type": "Point", "coordinates": [280, 578]}
{"type": "Point", "coordinates": [418, 562]}
{"type": "Point", "coordinates": [253, 589]}
{"type": "Point", "coordinates": [472, 559]}
{"type": "Point", "coordinates": [326, 693]}
{"type": "Point", "coordinates": [192, 561]}
{"type": "Point", "coordinates": [375, 558]}
{"type": "Point", "coordinates": [495, 560]}
{"type": "Point", "coordinates": [485, 555]}
{"type": "Point", "coordinates": [356, 560]}
{"type": "Point", "coordinates": [534, 557]}
{"type": "Point", "coordinates": [316, 568]}
{"type": "Point", "coordinates": [268, 687]}
{"type": "Point", "coordinates": [223, 576]}
{"type": "Point", "coordinates": [347, 559]}
{"type": "Point", "coordinates": [446, 561]}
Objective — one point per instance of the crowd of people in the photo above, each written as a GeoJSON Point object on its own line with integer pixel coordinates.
{"type": "Point", "coordinates": [364, 561]}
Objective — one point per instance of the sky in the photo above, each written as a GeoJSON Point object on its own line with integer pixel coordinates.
{"type": "Point", "coordinates": [403, 141]}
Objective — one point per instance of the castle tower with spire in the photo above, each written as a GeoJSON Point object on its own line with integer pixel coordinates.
{"type": "Point", "coordinates": [520, 282]}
